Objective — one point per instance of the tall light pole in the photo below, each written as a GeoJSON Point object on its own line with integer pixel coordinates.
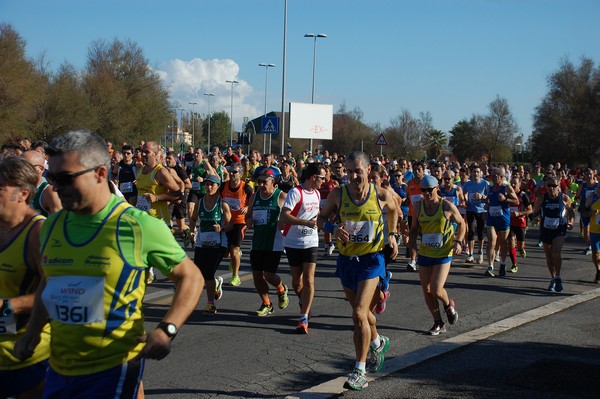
{"type": "Point", "coordinates": [193, 104]}
{"type": "Point", "coordinates": [317, 36]}
{"type": "Point", "coordinates": [233, 82]}
{"type": "Point", "coordinates": [266, 66]}
{"type": "Point", "coordinates": [209, 96]}
{"type": "Point", "coordinates": [180, 126]}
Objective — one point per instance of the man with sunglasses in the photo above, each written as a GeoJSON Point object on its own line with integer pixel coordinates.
{"type": "Point", "coordinates": [45, 200]}
{"type": "Point", "coordinates": [360, 263]}
{"type": "Point", "coordinates": [236, 193]}
{"type": "Point", "coordinates": [95, 255]}
{"type": "Point", "coordinates": [475, 195]}
{"type": "Point", "coordinates": [435, 219]}
{"type": "Point", "coordinates": [555, 214]}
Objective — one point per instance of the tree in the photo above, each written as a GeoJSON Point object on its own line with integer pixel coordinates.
{"type": "Point", "coordinates": [463, 141]}
{"type": "Point", "coordinates": [567, 121]}
{"type": "Point", "coordinates": [19, 86]}
{"type": "Point", "coordinates": [349, 132]}
{"type": "Point", "coordinates": [496, 131]}
{"type": "Point", "coordinates": [434, 142]}
{"type": "Point", "coordinates": [220, 129]}
{"type": "Point", "coordinates": [406, 134]}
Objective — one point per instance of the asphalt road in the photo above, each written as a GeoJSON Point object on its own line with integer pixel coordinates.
{"type": "Point", "coordinates": [513, 339]}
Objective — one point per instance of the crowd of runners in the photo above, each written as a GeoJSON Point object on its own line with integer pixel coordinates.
{"type": "Point", "coordinates": [99, 201]}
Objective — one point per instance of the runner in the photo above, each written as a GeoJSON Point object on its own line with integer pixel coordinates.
{"type": "Point", "coordinates": [592, 206]}
{"type": "Point", "coordinates": [555, 215]}
{"type": "Point", "coordinates": [360, 264]}
{"type": "Point", "coordinates": [518, 223]}
{"type": "Point", "coordinates": [125, 173]}
{"type": "Point", "coordinates": [214, 220]}
{"type": "Point", "coordinates": [414, 196]}
{"type": "Point", "coordinates": [587, 188]}
{"type": "Point", "coordinates": [301, 237]}
{"type": "Point", "coordinates": [267, 241]}
{"type": "Point", "coordinates": [435, 219]}
{"type": "Point", "coordinates": [236, 194]}
{"type": "Point", "coordinates": [178, 207]}
{"type": "Point", "coordinates": [474, 191]}
{"type": "Point", "coordinates": [98, 339]}
{"type": "Point", "coordinates": [45, 200]}
{"type": "Point", "coordinates": [328, 185]}
{"type": "Point", "coordinates": [20, 275]}
{"type": "Point", "coordinates": [287, 179]}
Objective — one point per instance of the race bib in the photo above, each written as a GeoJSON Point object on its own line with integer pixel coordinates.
{"type": "Point", "coordinates": [260, 217]}
{"type": "Point", "coordinates": [75, 299]}
{"type": "Point", "coordinates": [210, 238]}
{"type": "Point", "coordinates": [589, 193]}
{"type": "Point", "coordinates": [495, 210]}
{"type": "Point", "coordinates": [196, 185]}
{"type": "Point", "coordinates": [189, 164]}
{"type": "Point", "coordinates": [471, 197]}
{"type": "Point", "coordinates": [551, 223]}
{"type": "Point", "coordinates": [126, 187]}
{"type": "Point", "coordinates": [234, 203]}
{"type": "Point", "coordinates": [143, 204]}
{"type": "Point", "coordinates": [433, 240]}
{"type": "Point", "coordinates": [416, 198]}
{"type": "Point", "coordinates": [361, 232]}
{"type": "Point", "coordinates": [8, 325]}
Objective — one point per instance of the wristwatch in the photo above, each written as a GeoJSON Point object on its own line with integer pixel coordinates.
{"type": "Point", "coordinates": [6, 310]}
{"type": "Point", "coordinates": [169, 328]}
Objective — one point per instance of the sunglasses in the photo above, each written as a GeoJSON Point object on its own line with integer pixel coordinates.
{"type": "Point", "coordinates": [66, 179]}
{"type": "Point", "coordinates": [233, 172]}
{"type": "Point", "coordinates": [398, 176]}
{"type": "Point", "coordinates": [320, 177]}
{"type": "Point", "coordinates": [428, 190]}
{"type": "Point", "coordinates": [127, 153]}
{"type": "Point", "coordinates": [447, 178]}
{"type": "Point", "coordinates": [552, 185]}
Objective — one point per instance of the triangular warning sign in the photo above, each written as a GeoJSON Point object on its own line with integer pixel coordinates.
{"type": "Point", "coordinates": [269, 127]}
{"type": "Point", "coordinates": [381, 140]}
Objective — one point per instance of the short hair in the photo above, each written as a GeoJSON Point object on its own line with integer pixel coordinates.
{"type": "Point", "coordinates": [359, 156]}
{"type": "Point", "coordinates": [127, 147]}
{"type": "Point", "coordinates": [310, 170]}
{"type": "Point", "coordinates": [18, 172]}
{"type": "Point", "coordinates": [89, 146]}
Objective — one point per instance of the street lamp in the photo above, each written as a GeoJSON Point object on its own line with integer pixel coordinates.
{"type": "Point", "coordinates": [233, 82]}
{"type": "Point", "coordinates": [193, 104]}
{"type": "Point", "coordinates": [180, 127]}
{"type": "Point", "coordinates": [266, 66]}
{"type": "Point", "coordinates": [209, 96]}
{"type": "Point", "coordinates": [317, 36]}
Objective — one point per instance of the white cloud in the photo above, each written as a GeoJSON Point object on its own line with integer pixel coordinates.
{"type": "Point", "coordinates": [187, 82]}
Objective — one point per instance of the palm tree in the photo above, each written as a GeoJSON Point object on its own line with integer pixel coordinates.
{"type": "Point", "coordinates": [435, 141]}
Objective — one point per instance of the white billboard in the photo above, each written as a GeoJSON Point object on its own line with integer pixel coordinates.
{"type": "Point", "coordinates": [311, 121]}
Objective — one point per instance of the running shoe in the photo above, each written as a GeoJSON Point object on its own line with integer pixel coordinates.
{"type": "Point", "coordinates": [480, 256]}
{"type": "Point", "coordinates": [412, 266]}
{"type": "Point", "coordinates": [381, 305]}
{"type": "Point", "coordinates": [558, 287]}
{"type": "Point", "coordinates": [470, 259]}
{"type": "Point", "coordinates": [552, 286]}
{"type": "Point", "coordinates": [539, 244]}
{"type": "Point", "coordinates": [451, 312]}
{"type": "Point", "coordinates": [497, 258]}
{"type": "Point", "coordinates": [502, 271]}
{"type": "Point", "coordinates": [283, 298]}
{"type": "Point", "coordinates": [376, 357]}
{"type": "Point", "coordinates": [439, 327]}
{"type": "Point", "coordinates": [385, 282]}
{"type": "Point", "coordinates": [514, 269]}
{"type": "Point", "coordinates": [150, 277]}
{"type": "Point", "coordinates": [302, 326]}
{"type": "Point", "coordinates": [523, 253]}
{"type": "Point", "coordinates": [265, 309]}
{"type": "Point", "coordinates": [210, 309]}
{"type": "Point", "coordinates": [490, 271]}
{"type": "Point", "coordinates": [357, 380]}
{"type": "Point", "coordinates": [235, 281]}
{"type": "Point", "coordinates": [218, 288]}
{"type": "Point", "coordinates": [329, 248]}
{"type": "Point", "coordinates": [588, 251]}
{"type": "Point", "coordinates": [186, 238]}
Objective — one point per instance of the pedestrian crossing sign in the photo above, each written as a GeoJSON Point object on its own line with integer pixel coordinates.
{"type": "Point", "coordinates": [269, 125]}
{"type": "Point", "coordinates": [381, 140]}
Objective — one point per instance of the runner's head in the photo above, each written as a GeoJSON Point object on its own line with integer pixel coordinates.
{"type": "Point", "coordinates": [19, 177]}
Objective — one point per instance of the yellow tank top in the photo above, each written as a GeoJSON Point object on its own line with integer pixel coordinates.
{"type": "Point", "coordinates": [17, 278]}
{"type": "Point", "coordinates": [146, 183]}
{"type": "Point", "coordinates": [364, 223]}
{"type": "Point", "coordinates": [437, 233]}
{"type": "Point", "coordinates": [93, 296]}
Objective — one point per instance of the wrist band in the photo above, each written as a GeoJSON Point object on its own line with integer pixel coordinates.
{"type": "Point", "coordinates": [329, 226]}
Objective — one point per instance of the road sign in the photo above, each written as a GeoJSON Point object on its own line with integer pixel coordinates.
{"type": "Point", "coordinates": [381, 140]}
{"type": "Point", "coordinates": [269, 124]}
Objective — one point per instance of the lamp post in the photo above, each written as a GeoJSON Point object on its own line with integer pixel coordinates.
{"type": "Point", "coordinates": [233, 82]}
{"type": "Point", "coordinates": [193, 104]}
{"type": "Point", "coordinates": [179, 127]}
{"type": "Point", "coordinates": [518, 145]}
{"type": "Point", "coordinates": [317, 36]}
{"type": "Point", "coordinates": [266, 66]}
{"type": "Point", "coordinates": [209, 96]}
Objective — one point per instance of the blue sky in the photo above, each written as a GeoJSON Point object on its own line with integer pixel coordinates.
{"type": "Point", "coordinates": [447, 57]}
